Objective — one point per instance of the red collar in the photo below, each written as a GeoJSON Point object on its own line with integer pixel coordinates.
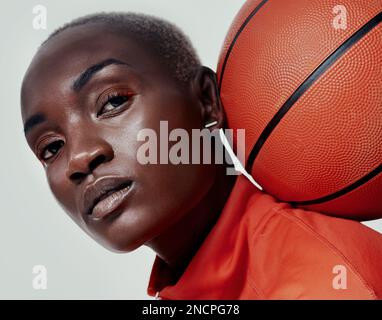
{"type": "Point", "coordinates": [261, 248]}
{"type": "Point", "coordinates": [218, 267]}
{"type": "Point", "coordinates": [161, 276]}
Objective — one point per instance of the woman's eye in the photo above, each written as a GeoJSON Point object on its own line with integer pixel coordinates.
{"type": "Point", "coordinates": [113, 103]}
{"type": "Point", "coordinates": [51, 149]}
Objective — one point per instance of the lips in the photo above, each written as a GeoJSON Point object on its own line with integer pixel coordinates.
{"type": "Point", "coordinates": [106, 194]}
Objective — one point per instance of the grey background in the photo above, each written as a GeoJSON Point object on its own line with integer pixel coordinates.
{"type": "Point", "coordinates": [33, 228]}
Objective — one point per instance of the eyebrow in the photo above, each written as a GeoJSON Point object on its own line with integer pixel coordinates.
{"type": "Point", "coordinates": [33, 121]}
{"type": "Point", "coordinates": [78, 84]}
{"type": "Point", "coordinates": [85, 76]}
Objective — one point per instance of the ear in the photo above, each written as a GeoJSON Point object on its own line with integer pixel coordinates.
{"type": "Point", "coordinates": [205, 88]}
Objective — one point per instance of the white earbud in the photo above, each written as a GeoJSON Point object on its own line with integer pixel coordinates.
{"type": "Point", "coordinates": [236, 162]}
{"type": "Point", "coordinates": [210, 124]}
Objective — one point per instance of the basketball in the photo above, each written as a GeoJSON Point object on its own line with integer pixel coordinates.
{"type": "Point", "coordinates": [304, 79]}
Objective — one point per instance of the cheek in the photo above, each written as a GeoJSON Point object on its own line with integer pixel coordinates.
{"type": "Point", "coordinates": [62, 192]}
{"type": "Point", "coordinates": [175, 189]}
{"type": "Point", "coordinates": [172, 189]}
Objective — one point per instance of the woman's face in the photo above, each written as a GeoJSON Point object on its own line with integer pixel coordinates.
{"type": "Point", "coordinates": [85, 134]}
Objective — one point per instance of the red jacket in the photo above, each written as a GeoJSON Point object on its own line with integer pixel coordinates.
{"type": "Point", "coordinates": [263, 249]}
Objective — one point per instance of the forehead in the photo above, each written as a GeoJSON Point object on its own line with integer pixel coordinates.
{"type": "Point", "coordinates": [59, 62]}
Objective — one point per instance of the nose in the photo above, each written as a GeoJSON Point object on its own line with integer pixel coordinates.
{"type": "Point", "coordinates": [84, 160]}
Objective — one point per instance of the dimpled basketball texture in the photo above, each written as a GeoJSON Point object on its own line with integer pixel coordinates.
{"type": "Point", "coordinates": [309, 96]}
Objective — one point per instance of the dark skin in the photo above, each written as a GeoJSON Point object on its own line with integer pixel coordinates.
{"type": "Point", "coordinates": [88, 133]}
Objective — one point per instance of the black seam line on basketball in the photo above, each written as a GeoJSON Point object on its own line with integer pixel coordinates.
{"type": "Point", "coordinates": [357, 36]}
{"type": "Point", "coordinates": [344, 191]}
{"type": "Point", "coordinates": [242, 27]}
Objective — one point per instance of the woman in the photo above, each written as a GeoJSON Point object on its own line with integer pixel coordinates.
{"type": "Point", "coordinates": [90, 89]}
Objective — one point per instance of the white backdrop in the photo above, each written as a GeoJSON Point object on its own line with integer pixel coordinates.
{"type": "Point", "coordinates": [33, 228]}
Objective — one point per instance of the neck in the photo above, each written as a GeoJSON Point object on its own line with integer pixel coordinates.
{"type": "Point", "coordinates": [178, 245]}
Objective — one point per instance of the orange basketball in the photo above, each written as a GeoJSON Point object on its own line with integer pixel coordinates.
{"type": "Point", "coordinates": [304, 79]}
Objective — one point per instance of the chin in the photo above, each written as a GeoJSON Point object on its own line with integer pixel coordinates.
{"type": "Point", "coordinates": [122, 233]}
{"type": "Point", "coordinates": [123, 240]}
{"type": "Point", "coordinates": [120, 246]}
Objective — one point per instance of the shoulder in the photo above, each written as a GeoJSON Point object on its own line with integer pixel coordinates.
{"type": "Point", "coordinates": [299, 254]}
